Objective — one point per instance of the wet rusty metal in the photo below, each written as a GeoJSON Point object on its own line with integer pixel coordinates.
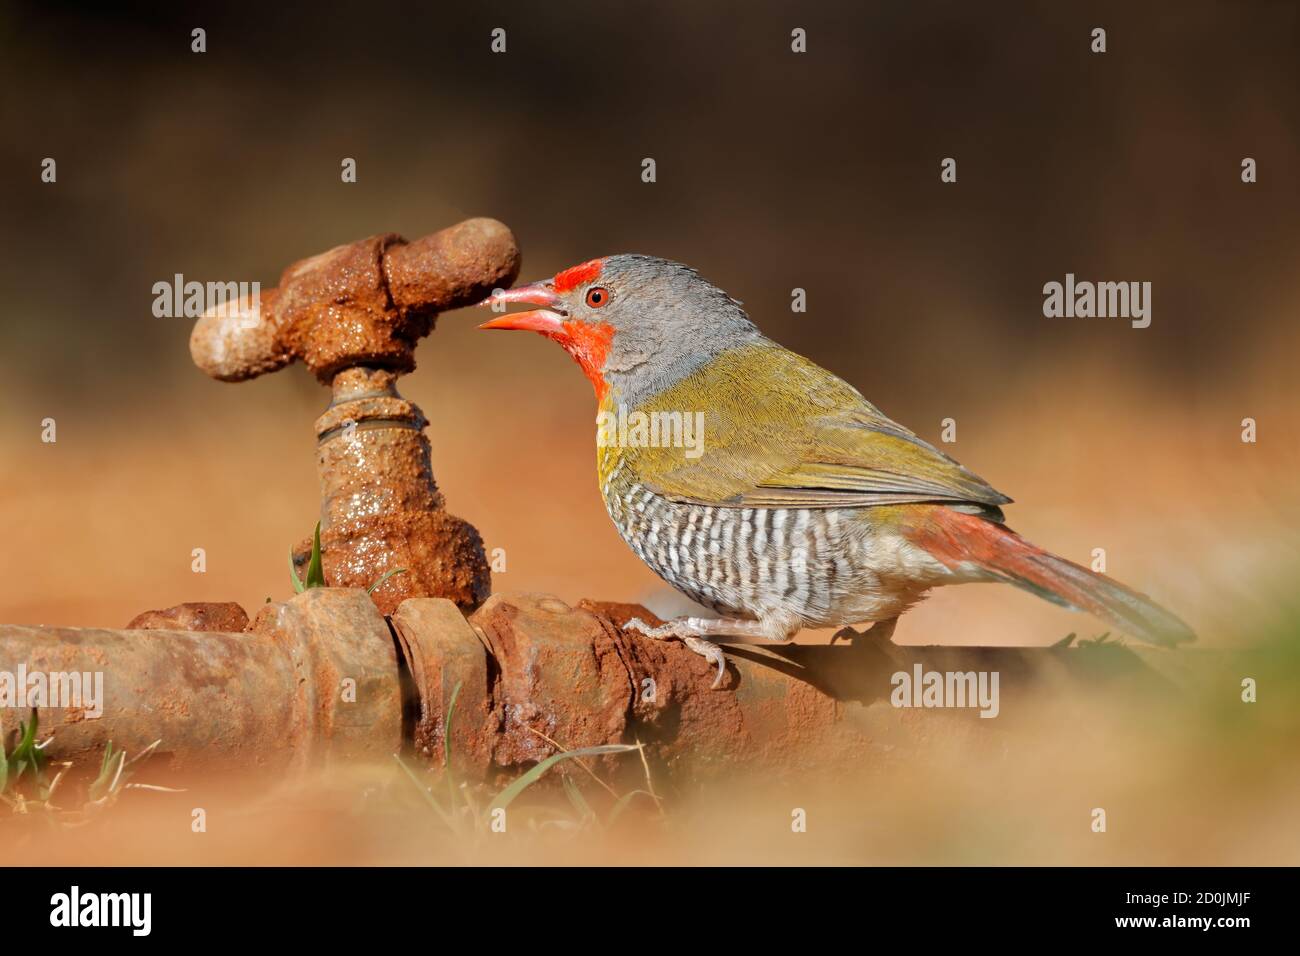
{"type": "Point", "coordinates": [324, 677]}
{"type": "Point", "coordinates": [353, 316]}
{"type": "Point", "coordinates": [347, 700]}
{"type": "Point", "coordinates": [453, 268]}
{"type": "Point", "coordinates": [559, 678]}
{"type": "Point", "coordinates": [537, 675]}
{"type": "Point", "coordinates": [763, 717]}
{"type": "Point", "coordinates": [380, 505]}
{"type": "Point", "coordinates": [445, 656]}
{"type": "Point", "coordinates": [194, 616]}
{"type": "Point", "coordinates": [314, 680]}
{"type": "Point", "coordinates": [570, 677]}
{"type": "Point", "coordinates": [365, 303]}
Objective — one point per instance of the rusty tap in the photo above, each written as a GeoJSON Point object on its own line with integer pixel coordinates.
{"type": "Point", "coordinates": [353, 315]}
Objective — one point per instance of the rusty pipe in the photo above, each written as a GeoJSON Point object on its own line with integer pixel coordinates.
{"type": "Point", "coordinates": [535, 674]}
{"type": "Point", "coordinates": [315, 679]}
{"type": "Point", "coordinates": [323, 676]}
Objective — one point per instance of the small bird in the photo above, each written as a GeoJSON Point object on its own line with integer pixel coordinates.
{"type": "Point", "coordinates": [803, 504]}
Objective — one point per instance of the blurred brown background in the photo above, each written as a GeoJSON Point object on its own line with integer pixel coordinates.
{"type": "Point", "coordinates": [775, 170]}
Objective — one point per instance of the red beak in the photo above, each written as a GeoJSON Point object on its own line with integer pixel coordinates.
{"type": "Point", "coordinates": [543, 320]}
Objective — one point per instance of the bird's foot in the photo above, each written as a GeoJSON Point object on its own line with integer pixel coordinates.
{"type": "Point", "coordinates": [691, 631]}
{"type": "Point", "coordinates": [684, 631]}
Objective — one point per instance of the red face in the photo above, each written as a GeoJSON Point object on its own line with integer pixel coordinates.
{"type": "Point", "coordinates": [570, 315]}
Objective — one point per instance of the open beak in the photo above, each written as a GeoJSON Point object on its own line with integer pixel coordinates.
{"type": "Point", "coordinates": [548, 320]}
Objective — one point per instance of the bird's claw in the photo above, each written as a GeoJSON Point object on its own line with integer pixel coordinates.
{"type": "Point", "coordinates": [706, 649]}
{"type": "Point", "coordinates": [710, 652]}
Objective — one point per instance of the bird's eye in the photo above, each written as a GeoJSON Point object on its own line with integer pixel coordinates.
{"type": "Point", "coordinates": [597, 297]}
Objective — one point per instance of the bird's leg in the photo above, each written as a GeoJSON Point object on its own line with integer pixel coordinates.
{"type": "Point", "coordinates": [881, 630]}
{"type": "Point", "coordinates": [692, 632]}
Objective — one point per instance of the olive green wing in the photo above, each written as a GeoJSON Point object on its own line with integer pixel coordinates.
{"type": "Point", "coordinates": [781, 432]}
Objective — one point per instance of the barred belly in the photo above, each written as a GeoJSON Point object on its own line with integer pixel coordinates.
{"type": "Point", "coordinates": [744, 562]}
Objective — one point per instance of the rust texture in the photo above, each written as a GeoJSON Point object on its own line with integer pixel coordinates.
{"type": "Point", "coordinates": [443, 653]}
{"type": "Point", "coordinates": [380, 505]}
{"type": "Point", "coordinates": [314, 679]}
{"type": "Point", "coordinates": [322, 677]}
{"type": "Point", "coordinates": [365, 303]}
{"type": "Point", "coordinates": [559, 674]}
{"type": "Point", "coordinates": [353, 315]}
{"type": "Point", "coordinates": [577, 676]}
{"type": "Point", "coordinates": [194, 616]}
{"type": "Point", "coordinates": [536, 675]}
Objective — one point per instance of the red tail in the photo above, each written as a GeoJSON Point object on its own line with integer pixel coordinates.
{"type": "Point", "coordinates": [956, 538]}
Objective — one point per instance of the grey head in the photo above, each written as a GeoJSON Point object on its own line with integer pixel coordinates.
{"type": "Point", "coordinates": [636, 324]}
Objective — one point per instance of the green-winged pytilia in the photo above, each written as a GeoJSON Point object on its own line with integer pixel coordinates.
{"type": "Point", "coordinates": [804, 505]}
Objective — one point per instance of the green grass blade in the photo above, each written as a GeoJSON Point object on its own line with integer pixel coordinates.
{"type": "Point", "coordinates": [446, 727]}
{"type": "Point", "coordinates": [622, 804]}
{"type": "Point", "coordinates": [108, 775]}
{"type": "Point", "coordinates": [507, 796]}
{"type": "Point", "coordinates": [579, 802]}
{"type": "Point", "coordinates": [27, 741]}
{"type": "Point", "coordinates": [26, 754]}
{"type": "Point", "coordinates": [108, 755]}
{"type": "Point", "coordinates": [315, 571]}
{"type": "Point", "coordinates": [428, 797]}
{"type": "Point", "coordinates": [384, 577]}
{"type": "Point", "coordinates": [298, 586]}
{"type": "Point", "coordinates": [446, 745]}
